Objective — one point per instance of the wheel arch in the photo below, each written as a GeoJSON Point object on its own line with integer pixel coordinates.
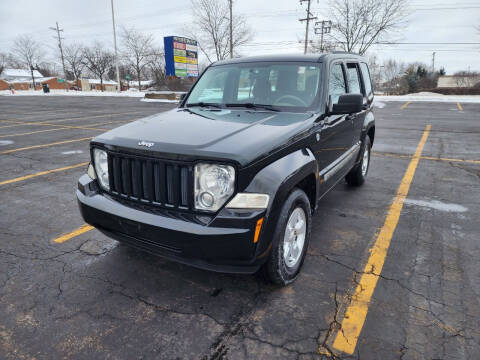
{"type": "Point", "coordinates": [298, 169]}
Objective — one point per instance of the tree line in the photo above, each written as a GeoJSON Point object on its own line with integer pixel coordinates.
{"type": "Point", "coordinates": [356, 26]}
{"type": "Point", "coordinates": [139, 57]}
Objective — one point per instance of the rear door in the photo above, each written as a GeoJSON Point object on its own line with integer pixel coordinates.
{"type": "Point", "coordinates": [355, 87]}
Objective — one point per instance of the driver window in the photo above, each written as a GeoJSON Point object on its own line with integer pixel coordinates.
{"type": "Point", "coordinates": [336, 83]}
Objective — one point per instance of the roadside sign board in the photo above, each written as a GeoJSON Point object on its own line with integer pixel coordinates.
{"type": "Point", "coordinates": [60, 80]}
{"type": "Point", "coordinates": [181, 56]}
{"type": "Point", "coordinates": [127, 77]}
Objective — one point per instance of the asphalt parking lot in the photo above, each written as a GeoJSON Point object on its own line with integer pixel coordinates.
{"type": "Point", "coordinates": [68, 292]}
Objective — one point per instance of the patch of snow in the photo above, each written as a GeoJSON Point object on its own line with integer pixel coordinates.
{"type": "Point", "coordinates": [431, 98]}
{"type": "Point", "coordinates": [55, 92]}
{"type": "Point", "coordinates": [15, 73]}
{"type": "Point", "coordinates": [379, 104]}
{"type": "Point", "coordinates": [71, 152]}
{"type": "Point", "coordinates": [159, 100]}
{"type": "Point", "coordinates": [6, 142]}
{"type": "Point", "coordinates": [437, 205]}
{"type": "Point", "coordinates": [97, 81]}
{"type": "Point", "coordinates": [425, 93]}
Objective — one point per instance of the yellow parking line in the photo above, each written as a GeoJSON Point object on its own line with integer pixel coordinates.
{"type": "Point", "coordinates": [41, 173]}
{"type": "Point", "coordinates": [29, 133]}
{"type": "Point", "coordinates": [43, 145]}
{"type": "Point", "coordinates": [30, 123]}
{"type": "Point", "coordinates": [65, 127]}
{"type": "Point", "coordinates": [450, 159]}
{"type": "Point", "coordinates": [403, 156]}
{"type": "Point", "coordinates": [404, 106]}
{"type": "Point", "coordinates": [459, 106]}
{"type": "Point", "coordinates": [82, 229]}
{"type": "Point", "coordinates": [346, 338]}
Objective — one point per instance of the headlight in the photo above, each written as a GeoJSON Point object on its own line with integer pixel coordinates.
{"type": "Point", "coordinates": [214, 184]}
{"type": "Point", "coordinates": [100, 160]}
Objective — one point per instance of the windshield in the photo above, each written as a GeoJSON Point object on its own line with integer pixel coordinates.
{"type": "Point", "coordinates": [276, 86]}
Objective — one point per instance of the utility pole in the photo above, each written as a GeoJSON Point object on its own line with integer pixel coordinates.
{"type": "Point", "coordinates": [33, 77]}
{"type": "Point", "coordinates": [116, 52]}
{"type": "Point", "coordinates": [231, 29]}
{"type": "Point", "coordinates": [433, 62]}
{"type": "Point", "coordinates": [325, 28]}
{"type": "Point", "coordinates": [57, 29]}
{"type": "Point", "coordinates": [307, 19]}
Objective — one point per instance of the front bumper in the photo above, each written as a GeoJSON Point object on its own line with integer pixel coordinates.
{"type": "Point", "coordinates": [224, 244]}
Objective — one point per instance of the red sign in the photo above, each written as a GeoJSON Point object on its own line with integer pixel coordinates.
{"type": "Point", "coordinates": [178, 45]}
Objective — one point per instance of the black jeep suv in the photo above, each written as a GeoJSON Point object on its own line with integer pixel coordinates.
{"type": "Point", "coordinates": [228, 181]}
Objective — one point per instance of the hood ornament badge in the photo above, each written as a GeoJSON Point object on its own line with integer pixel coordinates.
{"type": "Point", "coordinates": [146, 143]}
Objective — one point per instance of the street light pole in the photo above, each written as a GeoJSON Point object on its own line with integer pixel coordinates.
{"type": "Point", "coordinates": [231, 29]}
{"type": "Point", "coordinates": [115, 46]}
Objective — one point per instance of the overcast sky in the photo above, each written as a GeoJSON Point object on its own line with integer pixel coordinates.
{"type": "Point", "coordinates": [275, 24]}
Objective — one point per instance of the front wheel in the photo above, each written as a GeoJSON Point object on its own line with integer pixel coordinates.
{"type": "Point", "coordinates": [357, 175]}
{"type": "Point", "coordinates": [291, 238]}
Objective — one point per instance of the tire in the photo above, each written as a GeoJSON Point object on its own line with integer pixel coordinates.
{"type": "Point", "coordinates": [280, 268]}
{"type": "Point", "coordinates": [356, 176]}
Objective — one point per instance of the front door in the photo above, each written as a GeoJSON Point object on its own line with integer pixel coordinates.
{"type": "Point", "coordinates": [336, 131]}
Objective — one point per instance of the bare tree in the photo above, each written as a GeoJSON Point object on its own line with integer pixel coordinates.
{"type": "Point", "coordinates": [3, 61]}
{"type": "Point", "coordinates": [137, 49]}
{"type": "Point", "coordinates": [358, 24]}
{"type": "Point", "coordinates": [75, 60]}
{"type": "Point", "coordinates": [211, 29]}
{"type": "Point", "coordinates": [327, 46]}
{"type": "Point", "coordinates": [98, 60]}
{"type": "Point", "coordinates": [156, 66]}
{"type": "Point", "coordinates": [466, 78]}
{"type": "Point", "coordinates": [393, 71]}
{"type": "Point", "coordinates": [28, 53]}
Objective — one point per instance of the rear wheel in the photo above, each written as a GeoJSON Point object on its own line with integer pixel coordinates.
{"type": "Point", "coordinates": [357, 175]}
{"type": "Point", "coordinates": [290, 240]}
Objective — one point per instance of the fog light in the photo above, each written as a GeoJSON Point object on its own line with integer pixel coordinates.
{"type": "Point", "coordinates": [207, 199]}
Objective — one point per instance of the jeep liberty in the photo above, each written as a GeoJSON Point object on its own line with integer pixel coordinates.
{"type": "Point", "coordinates": [229, 180]}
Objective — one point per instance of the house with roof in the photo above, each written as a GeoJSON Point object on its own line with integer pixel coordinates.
{"type": "Point", "coordinates": [20, 79]}
{"type": "Point", "coordinates": [19, 74]}
{"type": "Point", "coordinates": [96, 84]}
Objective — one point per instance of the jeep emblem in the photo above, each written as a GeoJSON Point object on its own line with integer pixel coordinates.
{"type": "Point", "coordinates": [146, 143]}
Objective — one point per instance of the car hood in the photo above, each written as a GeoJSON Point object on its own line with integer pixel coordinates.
{"type": "Point", "coordinates": [199, 133]}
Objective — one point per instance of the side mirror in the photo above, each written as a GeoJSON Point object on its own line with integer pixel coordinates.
{"type": "Point", "coordinates": [348, 104]}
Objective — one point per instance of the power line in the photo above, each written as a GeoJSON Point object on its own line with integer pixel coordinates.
{"type": "Point", "coordinates": [324, 29]}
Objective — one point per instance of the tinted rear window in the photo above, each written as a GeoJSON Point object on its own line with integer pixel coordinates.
{"type": "Point", "coordinates": [366, 79]}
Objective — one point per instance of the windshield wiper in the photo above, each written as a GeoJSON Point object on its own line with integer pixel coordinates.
{"type": "Point", "coordinates": [253, 106]}
{"type": "Point", "coordinates": [204, 104]}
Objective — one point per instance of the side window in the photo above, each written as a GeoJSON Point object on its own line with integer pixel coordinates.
{"type": "Point", "coordinates": [336, 83]}
{"type": "Point", "coordinates": [353, 79]}
{"type": "Point", "coordinates": [366, 79]}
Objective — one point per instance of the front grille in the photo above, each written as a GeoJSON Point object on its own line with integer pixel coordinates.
{"type": "Point", "coordinates": [154, 181]}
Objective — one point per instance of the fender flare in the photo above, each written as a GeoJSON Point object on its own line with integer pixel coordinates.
{"type": "Point", "coordinates": [368, 123]}
{"type": "Point", "coordinates": [277, 180]}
